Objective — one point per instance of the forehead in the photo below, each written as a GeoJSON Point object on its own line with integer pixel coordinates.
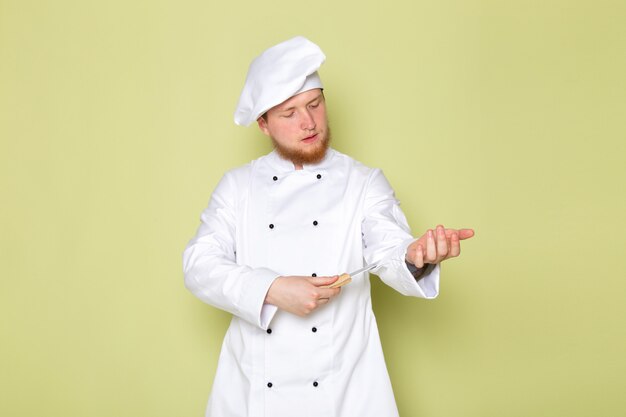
{"type": "Point", "coordinates": [299, 99]}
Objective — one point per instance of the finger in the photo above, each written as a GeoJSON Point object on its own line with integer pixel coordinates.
{"type": "Point", "coordinates": [322, 301]}
{"type": "Point", "coordinates": [414, 247]}
{"type": "Point", "coordinates": [455, 246]}
{"type": "Point", "coordinates": [442, 244]}
{"type": "Point", "coordinates": [431, 247]}
{"type": "Point", "coordinates": [323, 281]}
{"type": "Point", "coordinates": [419, 257]}
{"type": "Point", "coordinates": [465, 233]}
{"type": "Point", "coordinates": [462, 233]}
{"type": "Point", "coordinates": [328, 292]}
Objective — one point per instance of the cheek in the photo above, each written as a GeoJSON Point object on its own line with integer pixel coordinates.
{"type": "Point", "coordinates": [320, 115]}
{"type": "Point", "coordinates": [280, 129]}
{"type": "Point", "coordinates": [286, 132]}
{"type": "Point", "coordinates": [293, 127]}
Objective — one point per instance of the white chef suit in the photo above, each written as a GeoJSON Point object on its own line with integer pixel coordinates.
{"type": "Point", "coordinates": [267, 219]}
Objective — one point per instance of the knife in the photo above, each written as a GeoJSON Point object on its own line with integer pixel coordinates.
{"type": "Point", "coordinates": [347, 278]}
{"type": "Point", "coordinates": [365, 268]}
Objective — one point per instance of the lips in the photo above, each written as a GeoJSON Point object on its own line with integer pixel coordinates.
{"type": "Point", "coordinates": [310, 138]}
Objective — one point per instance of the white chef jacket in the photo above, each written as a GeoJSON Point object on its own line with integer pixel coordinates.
{"type": "Point", "coordinates": [265, 220]}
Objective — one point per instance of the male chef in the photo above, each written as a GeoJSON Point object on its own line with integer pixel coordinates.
{"type": "Point", "coordinates": [275, 236]}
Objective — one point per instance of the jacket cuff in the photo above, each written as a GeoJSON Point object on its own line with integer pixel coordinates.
{"type": "Point", "coordinates": [267, 314]}
{"type": "Point", "coordinates": [427, 280]}
{"type": "Point", "coordinates": [395, 272]}
{"type": "Point", "coordinates": [254, 295]}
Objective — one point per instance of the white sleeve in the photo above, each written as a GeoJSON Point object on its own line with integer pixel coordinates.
{"type": "Point", "coordinates": [386, 237]}
{"type": "Point", "coordinates": [211, 270]}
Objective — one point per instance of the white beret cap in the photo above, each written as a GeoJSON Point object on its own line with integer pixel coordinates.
{"type": "Point", "coordinates": [278, 74]}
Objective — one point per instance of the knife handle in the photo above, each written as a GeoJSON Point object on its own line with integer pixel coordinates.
{"type": "Point", "coordinates": [341, 281]}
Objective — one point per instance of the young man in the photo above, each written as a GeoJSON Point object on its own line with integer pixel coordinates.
{"type": "Point", "coordinates": [275, 236]}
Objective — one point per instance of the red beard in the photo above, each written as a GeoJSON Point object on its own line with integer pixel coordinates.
{"type": "Point", "coordinates": [312, 155]}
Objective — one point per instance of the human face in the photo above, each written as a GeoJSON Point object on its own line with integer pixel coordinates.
{"type": "Point", "coordinates": [299, 128]}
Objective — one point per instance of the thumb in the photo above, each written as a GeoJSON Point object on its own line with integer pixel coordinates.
{"type": "Point", "coordinates": [320, 281]}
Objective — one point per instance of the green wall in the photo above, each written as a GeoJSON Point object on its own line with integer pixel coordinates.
{"type": "Point", "coordinates": [505, 116]}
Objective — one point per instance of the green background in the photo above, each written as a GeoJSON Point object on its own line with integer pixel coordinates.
{"type": "Point", "coordinates": [504, 116]}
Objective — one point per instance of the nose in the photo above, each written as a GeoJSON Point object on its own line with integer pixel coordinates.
{"type": "Point", "coordinates": [307, 122]}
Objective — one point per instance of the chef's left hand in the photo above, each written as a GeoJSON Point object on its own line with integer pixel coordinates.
{"type": "Point", "coordinates": [436, 246]}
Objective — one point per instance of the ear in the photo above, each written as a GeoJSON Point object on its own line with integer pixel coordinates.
{"type": "Point", "coordinates": [263, 125]}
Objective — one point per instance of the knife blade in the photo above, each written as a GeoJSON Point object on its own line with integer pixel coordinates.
{"type": "Point", "coordinates": [347, 278]}
{"type": "Point", "coordinates": [365, 268]}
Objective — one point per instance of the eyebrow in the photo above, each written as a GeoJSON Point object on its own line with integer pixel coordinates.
{"type": "Point", "coordinates": [293, 107]}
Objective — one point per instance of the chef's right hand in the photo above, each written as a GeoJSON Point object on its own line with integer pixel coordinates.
{"type": "Point", "coordinates": [301, 295]}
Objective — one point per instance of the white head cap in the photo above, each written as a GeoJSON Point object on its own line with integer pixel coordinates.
{"type": "Point", "coordinates": [278, 74]}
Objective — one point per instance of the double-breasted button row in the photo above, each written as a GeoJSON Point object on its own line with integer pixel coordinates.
{"type": "Point", "coordinates": [313, 329]}
{"type": "Point", "coordinates": [315, 223]}
{"type": "Point", "coordinates": [318, 176]}
{"type": "Point", "coordinates": [315, 384]}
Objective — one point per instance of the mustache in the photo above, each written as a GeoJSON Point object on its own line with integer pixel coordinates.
{"type": "Point", "coordinates": [304, 157]}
